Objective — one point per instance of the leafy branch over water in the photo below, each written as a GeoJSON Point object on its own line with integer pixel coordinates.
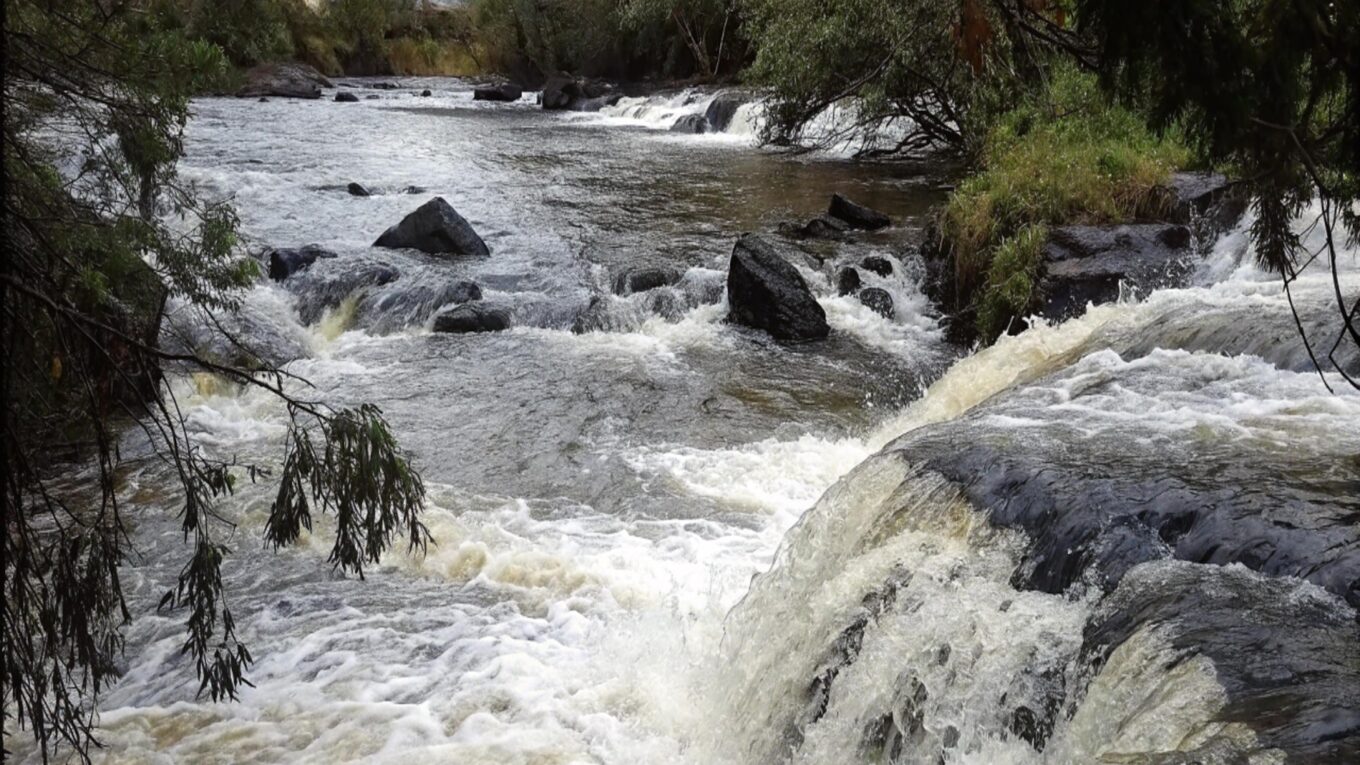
{"type": "Point", "coordinates": [99, 233]}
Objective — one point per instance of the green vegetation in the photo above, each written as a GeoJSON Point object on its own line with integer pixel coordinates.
{"type": "Point", "coordinates": [99, 233]}
{"type": "Point", "coordinates": [1065, 155]}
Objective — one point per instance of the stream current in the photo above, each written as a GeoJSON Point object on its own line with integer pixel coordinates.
{"type": "Point", "coordinates": [1128, 538]}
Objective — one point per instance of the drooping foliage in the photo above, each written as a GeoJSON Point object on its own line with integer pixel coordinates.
{"type": "Point", "coordinates": [98, 233]}
{"type": "Point", "coordinates": [1268, 87]}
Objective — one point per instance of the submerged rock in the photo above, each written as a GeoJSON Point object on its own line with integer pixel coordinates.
{"type": "Point", "coordinates": [286, 80]}
{"type": "Point", "coordinates": [566, 93]}
{"type": "Point", "coordinates": [1088, 264]}
{"type": "Point", "coordinates": [436, 228]}
{"type": "Point", "coordinates": [877, 300]}
{"type": "Point", "coordinates": [503, 92]}
{"type": "Point", "coordinates": [426, 93]}
{"type": "Point", "coordinates": [356, 190]}
{"type": "Point", "coordinates": [765, 292]}
{"type": "Point", "coordinates": [721, 110]}
{"type": "Point", "coordinates": [473, 317]}
{"type": "Point", "coordinates": [877, 264]}
{"type": "Point", "coordinates": [285, 262]}
{"type": "Point", "coordinates": [857, 215]}
{"type": "Point", "coordinates": [821, 227]}
{"type": "Point", "coordinates": [847, 281]}
{"type": "Point", "coordinates": [644, 278]}
{"type": "Point", "coordinates": [690, 123]}
{"type": "Point", "coordinates": [346, 98]}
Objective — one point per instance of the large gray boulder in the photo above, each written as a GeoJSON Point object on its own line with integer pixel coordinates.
{"type": "Point", "coordinates": [1206, 198]}
{"type": "Point", "coordinates": [1088, 264]}
{"type": "Point", "coordinates": [436, 228]}
{"type": "Point", "coordinates": [287, 80]}
{"type": "Point", "coordinates": [765, 292]}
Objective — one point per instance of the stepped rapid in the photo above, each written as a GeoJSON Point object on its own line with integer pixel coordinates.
{"type": "Point", "coordinates": [1130, 537]}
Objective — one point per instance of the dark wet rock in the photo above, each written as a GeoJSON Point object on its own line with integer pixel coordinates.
{"type": "Point", "coordinates": [857, 215]}
{"type": "Point", "coordinates": [346, 98]}
{"type": "Point", "coordinates": [503, 92]}
{"type": "Point", "coordinates": [285, 262]}
{"type": "Point", "coordinates": [372, 97]}
{"type": "Point", "coordinates": [597, 316]}
{"type": "Point", "coordinates": [286, 80]}
{"type": "Point", "coordinates": [383, 85]}
{"type": "Point", "coordinates": [403, 305]}
{"type": "Point", "coordinates": [721, 110]}
{"type": "Point", "coordinates": [1088, 264]}
{"type": "Point", "coordinates": [765, 292]}
{"type": "Point", "coordinates": [473, 317]}
{"type": "Point", "coordinates": [1287, 659]}
{"type": "Point", "coordinates": [877, 264]}
{"type": "Point", "coordinates": [877, 300]}
{"type": "Point", "coordinates": [435, 228]}
{"type": "Point", "coordinates": [821, 227]}
{"type": "Point", "coordinates": [356, 190]}
{"type": "Point", "coordinates": [847, 645]}
{"type": "Point", "coordinates": [1212, 507]}
{"type": "Point", "coordinates": [847, 281]}
{"type": "Point", "coordinates": [264, 100]}
{"type": "Point", "coordinates": [560, 93]}
{"type": "Point", "coordinates": [690, 123]}
{"type": "Point", "coordinates": [567, 93]}
{"type": "Point", "coordinates": [413, 190]}
{"type": "Point", "coordinates": [644, 278]}
{"type": "Point", "coordinates": [1208, 198]}
{"type": "Point", "coordinates": [426, 93]}
{"type": "Point", "coordinates": [320, 289]}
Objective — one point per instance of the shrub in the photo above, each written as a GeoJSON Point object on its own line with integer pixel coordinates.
{"type": "Point", "coordinates": [1065, 155]}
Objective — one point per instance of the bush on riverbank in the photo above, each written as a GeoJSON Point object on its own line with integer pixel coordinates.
{"type": "Point", "coordinates": [1066, 155]}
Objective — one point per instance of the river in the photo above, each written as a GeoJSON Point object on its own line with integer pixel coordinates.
{"type": "Point", "coordinates": [672, 540]}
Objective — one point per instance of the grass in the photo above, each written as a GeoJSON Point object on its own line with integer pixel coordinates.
{"type": "Point", "coordinates": [1065, 156]}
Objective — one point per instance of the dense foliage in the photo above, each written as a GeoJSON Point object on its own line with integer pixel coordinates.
{"type": "Point", "coordinates": [1065, 154]}
{"type": "Point", "coordinates": [1268, 87]}
{"type": "Point", "coordinates": [98, 234]}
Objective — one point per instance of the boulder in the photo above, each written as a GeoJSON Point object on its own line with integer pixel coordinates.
{"type": "Point", "coordinates": [356, 190]}
{"type": "Point", "coordinates": [346, 98]}
{"type": "Point", "coordinates": [426, 93]}
{"type": "Point", "coordinates": [721, 110]}
{"type": "Point", "coordinates": [563, 92]}
{"type": "Point", "coordinates": [643, 279]}
{"type": "Point", "coordinates": [857, 215]}
{"type": "Point", "coordinates": [383, 86]}
{"type": "Point", "coordinates": [473, 317]}
{"type": "Point", "coordinates": [877, 300]}
{"type": "Point", "coordinates": [1207, 198]}
{"type": "Point", "coordinates": [560, 93]}
{"type": "Point", "coordinates": [436, 228]}
{"type": "Point", "coordinates": [847, 281]}
{"type": "Point", "coordinates": [821, 227]}
{"type": "Point", "coordinates": [1087, 264]}
{"type": "Point", "coordinates": [692, 124]}
{"type": "Point", "coordinates": [877, 264]}
{"type": "Point", "coordinates": [285, 262]}
{"type": "Point", "coordinates": [765, 292]}
{"type": "Point", "coordinates": [503, 92]}
{"type": "Point", "coordinates": [288, 80]}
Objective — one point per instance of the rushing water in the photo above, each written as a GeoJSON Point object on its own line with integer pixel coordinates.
{"type": "Point", "coordinates": [620, 571]}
